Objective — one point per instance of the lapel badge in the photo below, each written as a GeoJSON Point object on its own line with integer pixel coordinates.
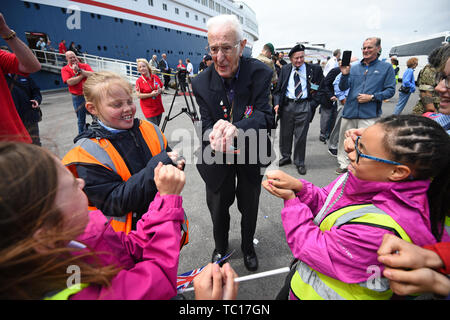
{"type": "Point", "coordinates": [248, 111]}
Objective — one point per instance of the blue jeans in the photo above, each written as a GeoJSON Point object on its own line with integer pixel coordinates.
{"type": "Point", "coordinates": [80, 110]}
{"type": "Point", "coordinates": [402, 100]}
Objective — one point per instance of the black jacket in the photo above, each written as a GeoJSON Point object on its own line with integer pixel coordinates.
{"type": "Point", "coordinates": [314, 75]}
{"type": "Point", "coordinates": [23, 89]}
{"type": "Point", "coordinates": [106, 190]}
{"type": "Point", "coordinates": [326, 89]}
{"type": "Point", "coordinates": [162, 66]}
{"type": "Point", "coordinates": [251, 90]}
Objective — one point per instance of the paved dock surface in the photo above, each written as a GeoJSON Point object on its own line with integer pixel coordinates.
{"type": "Point", "coordinates": [59, 127]}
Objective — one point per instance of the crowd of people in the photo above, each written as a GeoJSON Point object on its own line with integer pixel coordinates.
{"type": "Point", "coordinates": [112, 205]}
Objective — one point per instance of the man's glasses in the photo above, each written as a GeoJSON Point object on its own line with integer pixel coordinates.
{"type": "Point", "coordinates": [359, 154]}
{"type": "Point", "coordinates": [226, 49]}
{"type": "Point", "coordinates": [442, 76]}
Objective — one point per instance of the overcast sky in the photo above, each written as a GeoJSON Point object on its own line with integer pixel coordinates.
{"type": "Point", "coordinates": [345, 24]}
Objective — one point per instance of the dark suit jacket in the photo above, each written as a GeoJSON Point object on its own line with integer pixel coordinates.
{"type": "Point", "coordinates": [326, 89]}
{"type": "Point", "coordinates": [314, 75]}
{"type": "Point", "coordinates": [162, 66]}
{"type": "Point", "coordinates": [252, 89]}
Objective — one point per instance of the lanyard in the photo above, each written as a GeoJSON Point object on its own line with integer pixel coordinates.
{"type": "Point", "coordinates": [155, 84]}
{"type": "Point", "coordinates": [325, 208]}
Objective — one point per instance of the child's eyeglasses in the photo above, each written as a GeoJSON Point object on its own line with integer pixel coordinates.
{"type": "Point", "coordinates": [359, 154]}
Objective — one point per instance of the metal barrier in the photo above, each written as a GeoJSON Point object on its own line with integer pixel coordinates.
{"type": "Point", "coordinates": [54, 61]}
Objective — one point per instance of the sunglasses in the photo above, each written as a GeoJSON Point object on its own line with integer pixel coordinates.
{"type": "Point", "coordinates": [359, 154]}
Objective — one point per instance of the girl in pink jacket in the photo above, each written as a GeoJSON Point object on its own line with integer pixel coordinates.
{"type": "Point", "coordinates": [398, 182]}
{"type": "Point", "coordinates": [51, 246]}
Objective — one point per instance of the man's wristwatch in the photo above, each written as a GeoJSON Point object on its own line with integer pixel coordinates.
{"type": "Point", "coordinates": [373, 98]}
{"type": "Point", "coordinates": [10, 36]}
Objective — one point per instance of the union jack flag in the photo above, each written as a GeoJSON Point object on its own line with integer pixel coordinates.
{"type": "Point", "coordinates": [185, 279]}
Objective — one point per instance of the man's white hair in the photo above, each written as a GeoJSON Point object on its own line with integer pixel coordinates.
{"type": "Point", "coordinates": [226, 20]}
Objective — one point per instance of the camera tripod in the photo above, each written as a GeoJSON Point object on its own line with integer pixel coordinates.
{"type": "Point", "coordinates": [190, 111]}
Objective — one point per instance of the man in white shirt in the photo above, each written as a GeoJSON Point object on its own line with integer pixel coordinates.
{"type": "Point", "coordinates": [189, 67]}
{"type": "Point", "coordinates": [190, 71]}
{"type": "Point", "coordinates": [333, 62]}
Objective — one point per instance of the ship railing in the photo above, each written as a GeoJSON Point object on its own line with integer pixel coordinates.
{"type": "Point", "coordinates": [50, 60]}
{"type": "Point", "coordinates": [54, 61]}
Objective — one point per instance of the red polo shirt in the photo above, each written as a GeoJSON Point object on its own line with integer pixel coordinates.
{"type": "Point", "coordinates": [62, 47]}
{"type": "Point", "coordinates": [67, 73]}
{"type": "Point", "coordinates": [151, 107]}
{"type": "Point", "coordinates": [11, 126]}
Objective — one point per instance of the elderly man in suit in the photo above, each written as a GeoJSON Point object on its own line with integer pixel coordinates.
{"type": "Point", "coordinates": [233, 98]}
{"type": "Point", "coordinates": [294, 98]}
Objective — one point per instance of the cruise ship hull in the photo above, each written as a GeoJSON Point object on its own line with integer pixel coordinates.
{"type": "Point", "coordinates": [105, 30]}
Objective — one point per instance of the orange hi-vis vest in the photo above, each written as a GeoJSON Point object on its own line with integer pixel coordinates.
{"type": "Point", "coordinates": [101, 152]}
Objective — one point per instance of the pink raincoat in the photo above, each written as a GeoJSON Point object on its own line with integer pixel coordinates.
{"type": "Point", "coordinates": [349, 252]}
{"type": "Point", "coordinates": [148, 256]}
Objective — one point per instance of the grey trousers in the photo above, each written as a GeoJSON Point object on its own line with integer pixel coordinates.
{"type": "Point", "coordinates": [328, 113]}
{"type": "Point", "coordinates": [334, 136]}
{"type": "Point", "coordinates": [294, 125]}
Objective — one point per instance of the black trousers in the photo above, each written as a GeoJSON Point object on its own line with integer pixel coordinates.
{"type": "Point", "coordinates": [166, 81]}
{"type": "Point", "coordinates": [237, 184]}
{"type": "Point", "coordinates": [294, 126]}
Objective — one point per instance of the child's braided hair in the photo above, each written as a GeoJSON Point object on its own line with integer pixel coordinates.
{"type": "Point", "coordinates": [423, 145]}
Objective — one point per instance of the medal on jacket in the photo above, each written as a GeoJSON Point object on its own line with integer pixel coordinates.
{"type": "Point", "coordinates": [248, 112]}
{"type": "Point", "coordinates": [224, 109]}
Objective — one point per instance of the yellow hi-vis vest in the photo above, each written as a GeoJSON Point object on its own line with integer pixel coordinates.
{"type": "Point", "coordinates": [308, 284]}
{"type": "Point", "coordinates": [102, 152]}
{"type": "Point", "coordinates": [66, 293]}
{"type": "Point", "coordinates": [447, 225]}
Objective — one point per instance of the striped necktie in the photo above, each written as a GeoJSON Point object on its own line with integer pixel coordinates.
{"type": "Point", "coordinates": [297, 84]}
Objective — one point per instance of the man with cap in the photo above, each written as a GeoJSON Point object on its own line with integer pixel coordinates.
{"type": "Point", "coordinates": [266, 57]}
{"type": "Point", "coordinates": [293, 97]}
{"type": "Point", "coordinates": [205, 63]}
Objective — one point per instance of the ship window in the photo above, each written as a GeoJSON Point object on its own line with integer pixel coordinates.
{"type": "Point", "coordinates": [37, 6]}
{"type": "Point", "coordinates": [211, 4]}
{"type": "Point", "coordinates": [99, 48]}
{"type": "Point", "coordinates": [63, 10]}
{"type": "Point", "coordinates": [164, 6]}
{"type": "Point", "coordinates": [92, 15]}
{"type": "Point", "coordinates": [196, 17]}
{"type": "Point", "coordinates": [27, 4]}
{"type": "Point", "coordinates": [177, 11]}
{"type": "Point", "coordinates": [105, 48]}
{"type": "Point", "coordinates": [187, 14]}
{"type": "Point", "coordinates": [99, 16]}
{"type": "Point", "coordinates": [150, 3]}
